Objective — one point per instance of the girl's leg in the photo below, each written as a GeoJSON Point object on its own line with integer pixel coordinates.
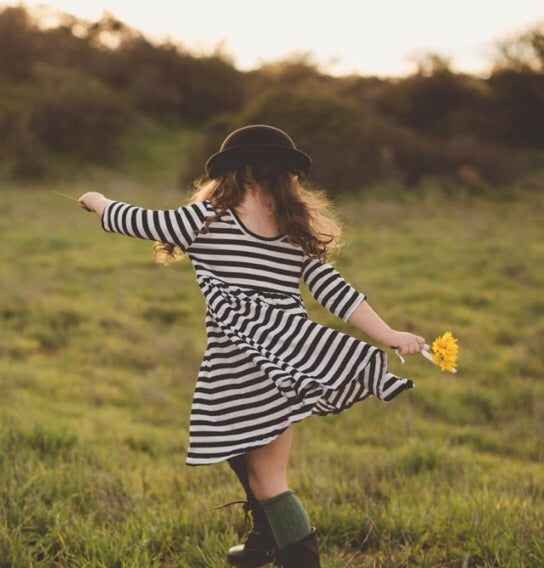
{"type": "Point", "coordinates": [260, 547]}
{"type": "Point", "coordinates": [289, 522]}
{"type": "Point", "coordinates": [267, 466]}
{"type": "Point", "coordinates": [266, 476]}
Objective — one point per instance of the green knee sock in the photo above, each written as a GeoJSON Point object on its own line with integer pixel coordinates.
{"type": "Point", "coordinates": [288, 519]}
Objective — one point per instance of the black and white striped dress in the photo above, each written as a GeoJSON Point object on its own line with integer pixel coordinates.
{"type": "Point", "coordinates": [266, 363]}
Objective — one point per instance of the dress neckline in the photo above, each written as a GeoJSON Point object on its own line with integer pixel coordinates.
{"type": "Point", "coordinates": [244, 229]}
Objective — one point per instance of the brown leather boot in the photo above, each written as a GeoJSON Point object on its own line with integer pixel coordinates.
{"type": "Point", "coordinates": [301, 554]}
{"type": "Point", "coordinates": [258, 547]}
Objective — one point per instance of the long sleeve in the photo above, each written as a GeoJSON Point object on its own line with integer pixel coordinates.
{"type": "Point", "coordinates": [330, 289]}
{"type": "Point", "coordinates": [173, 226]}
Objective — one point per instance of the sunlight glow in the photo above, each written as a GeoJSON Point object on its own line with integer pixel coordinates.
{"type": "Point", "coordinates": [368, 38]}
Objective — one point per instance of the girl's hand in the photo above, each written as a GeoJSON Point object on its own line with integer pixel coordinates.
{"type": "Point", "coordinates": [406, 343]}
{"type": "Point", "coordinates": [94, 201]}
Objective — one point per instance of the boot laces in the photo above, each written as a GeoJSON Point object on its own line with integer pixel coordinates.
{"type": "Point", "coordinates": [253, 532]}
{"type": "Point", "coordinates": [229, 504]}
{"type": "Point", "coordinates": [247, 510]}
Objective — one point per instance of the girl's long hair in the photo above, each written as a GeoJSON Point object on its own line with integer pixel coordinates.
{"type": "Point", "coordinates": [304, 216]}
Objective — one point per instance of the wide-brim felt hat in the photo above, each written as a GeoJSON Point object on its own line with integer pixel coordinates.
{"type": "Point", "coordinates": [257, 143]}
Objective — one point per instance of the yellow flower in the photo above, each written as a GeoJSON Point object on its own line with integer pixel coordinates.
{"type": "Point", "coordinates": [445, 350]}
{"type": "Point", "coordinates": [166, 254]}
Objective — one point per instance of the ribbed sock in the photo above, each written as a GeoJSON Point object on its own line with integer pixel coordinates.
{"type": "Point", "coordinates": [288, 519]}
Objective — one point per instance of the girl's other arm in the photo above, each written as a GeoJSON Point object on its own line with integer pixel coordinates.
{"type": "Point", "coordinates": [329, 288]}
{"type": "Point", "coordinates": [368, 321]}
{"type": "Point", "coordinates": [343, 300]}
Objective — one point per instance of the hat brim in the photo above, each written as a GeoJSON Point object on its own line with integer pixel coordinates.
{"type": "Point", "coordinates": [232, 158]}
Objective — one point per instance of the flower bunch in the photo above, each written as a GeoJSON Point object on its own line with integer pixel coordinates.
{"type": "Point", "coordinates": [445, 351]}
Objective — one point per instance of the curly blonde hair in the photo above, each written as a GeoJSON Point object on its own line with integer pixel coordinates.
{"type": "Point", "coordinates": [306, 217]}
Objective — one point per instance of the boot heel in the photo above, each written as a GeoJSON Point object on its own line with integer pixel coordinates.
{"type": "Point", "coordinates": [301, 554]}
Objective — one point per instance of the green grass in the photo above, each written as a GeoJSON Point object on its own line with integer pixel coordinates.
{"type": "Point", "coordinates": [100, 347]}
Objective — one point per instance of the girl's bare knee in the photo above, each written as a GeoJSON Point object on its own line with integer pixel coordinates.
{"type": "Point", "coordinates": [267, 486]}
{"type": "Point", "coordinates": [266, 479]}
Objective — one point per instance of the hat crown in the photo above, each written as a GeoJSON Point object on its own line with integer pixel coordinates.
{"type": "Point", "coordinates": [257, 143]}
{"type": "Point", "coordinates": [258, 135]}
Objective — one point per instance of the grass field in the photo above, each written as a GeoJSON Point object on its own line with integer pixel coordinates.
{"type": "Point", "coordinates": [99, 350]}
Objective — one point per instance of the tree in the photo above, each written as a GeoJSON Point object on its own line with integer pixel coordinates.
{"type": "Point", "coordinates": [17, 43]}
{"type": "Point", "coordinates": [436, 101]}
{"type": "Point", "coordinates": [523, 52]}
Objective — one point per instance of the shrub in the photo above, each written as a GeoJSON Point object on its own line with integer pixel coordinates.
{"type": "Point", "coordinates": [351, 148]}
{"type": "Point", "coordinates": [438, 103]}
{"type": "Point", "coordinates": [78, 115]}
{"type": "Point", "coordinates": [518, 108]}
{"type": "Point", "coordinates": [410, 158]}
{"type": "Point", "coordinates": [208, 86]}
{"type": "Point", "coordinates": [20, 149]}
{"type": "Point", "coordinates": [165, 82]}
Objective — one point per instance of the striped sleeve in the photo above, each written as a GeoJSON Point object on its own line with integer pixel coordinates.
{"type": "Point", "coordinates": [330, 289]}
{"type": "Point", "coordinates": [173, 226]}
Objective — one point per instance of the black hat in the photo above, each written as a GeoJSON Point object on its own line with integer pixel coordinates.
{"type": "Point", "coordinates": [257, 143]}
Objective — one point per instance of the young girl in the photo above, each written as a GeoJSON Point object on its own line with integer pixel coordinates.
{"type": "Point", "coordinates": [252, 232]}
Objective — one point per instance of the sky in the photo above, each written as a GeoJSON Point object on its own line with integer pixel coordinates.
{"type": "Point", "coordinates": [344, 36]}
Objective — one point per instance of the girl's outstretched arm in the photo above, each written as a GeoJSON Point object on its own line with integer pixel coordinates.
{"type": "Point", "coordinates": [176, 227]}
{"type": "Point", "coordinates": [367, 320]}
